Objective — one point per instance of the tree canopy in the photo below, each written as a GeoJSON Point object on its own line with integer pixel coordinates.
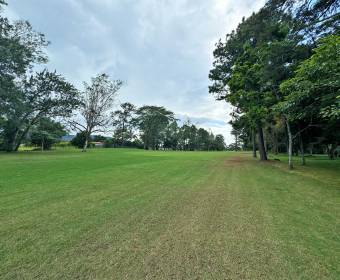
{"type": "Point", "coordinates": [272, 64]}
{"type": "Point", "coordinates": [27, 96]}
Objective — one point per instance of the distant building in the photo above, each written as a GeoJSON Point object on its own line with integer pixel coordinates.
{"type": "Point", "coordinates": [98, 144]}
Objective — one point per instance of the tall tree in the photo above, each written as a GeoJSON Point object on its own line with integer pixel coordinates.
{"type": "Point", "coordinates": [171, 140]}
{"type": "Point", "coordinates": [122, 121]}
{"type": "Point", "coordinates": [188, 135]}
{"type": "Point", "coordinates": [152, 121]}
{"type": "Point", "coordinates": [236, 133]}
{"type": "Point", "coordinates": [236, 70]}
{"type": "Point", "coordinates": [44, 94]}
{"type": "Point", "coordinates": [25, 98]}
{"type": "Point", "coordinates": [219, 142]}
{"type": "Point", "coordinates": [97, 102]}
{"type": "Point", "coordinates": [264, 51]}
{"type": "Point", "coordinates": [203, 139]}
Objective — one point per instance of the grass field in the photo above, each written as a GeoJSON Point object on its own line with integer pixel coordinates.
{"type": "Point", "coordinates": [133, 214]}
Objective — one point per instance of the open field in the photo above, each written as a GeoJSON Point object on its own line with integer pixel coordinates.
{"type": "Point", "coordinates": [133, 214]}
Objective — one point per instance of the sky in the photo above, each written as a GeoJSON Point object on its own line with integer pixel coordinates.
{"type": "Point", "coordinates": [161, 49]}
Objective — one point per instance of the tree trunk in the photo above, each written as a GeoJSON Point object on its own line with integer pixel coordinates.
{"type": "Point", "coordinates": [302, 150]}
{"type": "Point", "coordinates": [331, 151]}
{"type": "Point", "coordinates": [123, 134]}
{"type": "Point", "coordinates": [290, 145]}
{"type": "Point", "coordinates": [236, 142]}
{"type": "Point", "coordinates": [85, 145]}
{"type": "Point", "coordinates": [265, 141]}
{"type": "Point", "coordinates": [17, 142]}
{"type": "Point", "coordinates": [11, 144]}
{"type": "Point", "coordinates": [263, 154]}
{"type": "Point", "coordinates": [21, 137]}
{"type": "Point", "coordinates": [254, 144]}
{"type": "Point", "coordinates": [88, 134]}
{"type": "Point", "coordinates": [275, 143]}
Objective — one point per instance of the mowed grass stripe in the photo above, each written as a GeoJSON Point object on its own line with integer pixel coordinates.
{"type": "Point", "coordinates": [165, 215]}
{"type": "Point", "coordinates": [87, 209]}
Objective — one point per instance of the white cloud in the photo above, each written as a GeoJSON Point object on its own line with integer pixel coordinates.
{"type": "Point", "coordinates": [162, 48]}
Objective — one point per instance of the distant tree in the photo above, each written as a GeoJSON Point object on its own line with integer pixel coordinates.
{"type": "Point", "coordinates": [219, 142]}
{"type": "Point", "coordinates": [192, 145]}
{"type": "Point", "coordinates": [188, 136]}
{"type": "Point", "coordinates": [171, 139]}
{"type": "Point", "coordinates": [122, 122]}
{"type": "Point", "coordinates": [97, 102]}
{"type": "Point", "coordinates": [203, 139]}
{"type": "Point", "coordinates": [211, 141]}
{"type": "Point", "coordinates": [79, 140]}
{"type": "Point", "coordinates": [185, 135]}
{"type": "Point", "coordinates": [46, 133]}
{"type": "Point", "coordinates": [98, 138]}
{"type": "Point", "coordinates": [245, 130]}
{"type": "Point", "coordinates": [236, 133]}
{"type": "Point", "coordinates": [152, 121]}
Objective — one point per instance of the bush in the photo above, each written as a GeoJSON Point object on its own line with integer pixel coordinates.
{"type": "Point", "coordinates": [109, 143]}
{"type": "Point", "coordinates": [42, 139]}
{"type": "Point", "coordinates": [79, 140]}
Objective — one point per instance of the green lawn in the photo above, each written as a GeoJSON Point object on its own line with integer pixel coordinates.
{"type": "Point", "coordinates": [133, 214]}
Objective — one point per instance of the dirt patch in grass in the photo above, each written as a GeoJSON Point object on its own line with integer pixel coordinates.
{"type": "Point", "coordinates": [237, 160]}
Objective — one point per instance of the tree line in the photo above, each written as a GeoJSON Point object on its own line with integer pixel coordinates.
{"type": "Point", "coordinates": [37, 105]}
{"type": "Point", "coordinates": [153, 128]}
{"type": "Point", "coordinates": [280, 69]}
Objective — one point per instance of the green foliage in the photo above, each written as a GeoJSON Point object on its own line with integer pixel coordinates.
{"type": "Point", "coordinates": [313, 19]}
{"type": "Point", "coordinates": [219, 143]}
{"type": "Point", "coordinates": [79, 140]}
{"type": "Point", "coordinates": [188, 137]}
{"type": "Point", "coordinates": [152, 122]}
{"type": "Point", "coordinates": [314, 91]}
{"type": "Point", "coordinates": [264, 68]}
{"type": "Point", "coordinates": [98, 138]}
{"type": "Point", "coordinates": [44, 94]}
{"type": "Point", "coordinates": [203, 139]}
{"type": "Point", "coordinates": [123, 123]}
{"type": "Point", "coordinates": [46, 133]}
{"type": "Point", "coordinates": [21, 48]}
{"type": "Point", "coordinates": [171, 139]}
{"type": "Point", "coordinates": [27, 97]}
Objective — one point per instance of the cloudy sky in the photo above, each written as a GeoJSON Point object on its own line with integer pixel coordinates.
{"type": "Point", "coordinates": [161, 48]}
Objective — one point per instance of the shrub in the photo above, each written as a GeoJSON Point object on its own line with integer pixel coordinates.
{"type": "Point", "coordinates": [79, 140]}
